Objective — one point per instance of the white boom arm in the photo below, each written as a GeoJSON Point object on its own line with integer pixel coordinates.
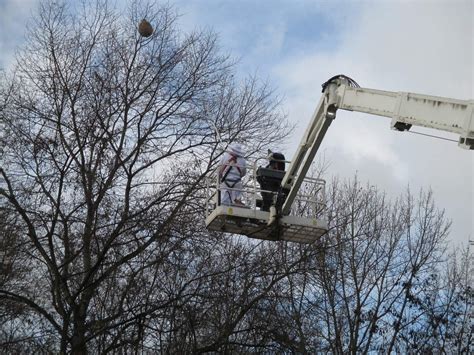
{"type": "Point", "coordinates": [405, 109]}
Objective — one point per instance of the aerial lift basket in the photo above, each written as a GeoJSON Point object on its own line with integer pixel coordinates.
{"type": "Point", "coordinates": [304, 224]}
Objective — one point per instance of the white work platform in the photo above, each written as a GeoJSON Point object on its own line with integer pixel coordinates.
{"type": "Point", "coordinates": [253, 223]}
{"type": "Point", "coordinates": [304, 223]}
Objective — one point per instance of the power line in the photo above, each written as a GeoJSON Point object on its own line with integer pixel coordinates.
{"type": "Point", "coordinates": [432, 136]}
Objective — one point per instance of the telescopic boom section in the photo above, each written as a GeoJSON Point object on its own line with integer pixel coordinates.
{"type": "Point", "coordinates": [405, 109]}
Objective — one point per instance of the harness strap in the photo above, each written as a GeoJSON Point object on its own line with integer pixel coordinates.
{"type": "Point", "coordinates": [225, 169]}
{"type": "Point", "coordinates": [230, 185]}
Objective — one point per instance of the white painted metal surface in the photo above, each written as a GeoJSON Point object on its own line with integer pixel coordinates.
{"type": "Point", "coordinates": [305, 153]}
{"type": "Point", "coordinates": [304, 223]}
{"type": "Point", "coordinates": [405, 109]}
{"type": "Point", "coordinates": [445, 114]}
{"type": "Point", "coordinates": [254, 224]}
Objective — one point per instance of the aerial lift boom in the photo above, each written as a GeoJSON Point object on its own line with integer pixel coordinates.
{"type": "Point", "coordinates": [340, 92]}
{"type": "Point", "coordinates": [405, 109]}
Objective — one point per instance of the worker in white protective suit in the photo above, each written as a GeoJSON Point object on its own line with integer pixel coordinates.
{"type": "Point", "coordinates": [232, 169]}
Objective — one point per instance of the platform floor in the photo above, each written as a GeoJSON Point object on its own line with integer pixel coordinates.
{"type": "Point", "coordinates": [253, 223]}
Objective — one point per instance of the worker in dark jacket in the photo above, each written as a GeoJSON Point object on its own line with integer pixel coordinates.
{"type": "Point", "coordinates": [270, 181]}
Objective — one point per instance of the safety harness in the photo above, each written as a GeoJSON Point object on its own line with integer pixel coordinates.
{"type": "Point", "coordinates": [224, 171]}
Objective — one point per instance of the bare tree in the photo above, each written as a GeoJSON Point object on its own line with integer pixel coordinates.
{"type": "Point", "coordinates": [350, 292]}
{"type": "Point", "coordinates": [107, 139]}
{"type": "Point", "coordinates": [232, 287]}
{"type": "Point", "coordinates": [371, 262]}
{"type": "Point", "coordinates": [442, 307]}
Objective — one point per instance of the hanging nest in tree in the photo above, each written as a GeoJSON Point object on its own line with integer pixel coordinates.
{"type": "Point", "coordinates": [145, 29]}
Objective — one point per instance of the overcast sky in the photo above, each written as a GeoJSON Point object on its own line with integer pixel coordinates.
{"type": "Point", "coordinates": [416, 46]}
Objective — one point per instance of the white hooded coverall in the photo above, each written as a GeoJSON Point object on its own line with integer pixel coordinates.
{"type": "Point", "coordinates": [232, 169]}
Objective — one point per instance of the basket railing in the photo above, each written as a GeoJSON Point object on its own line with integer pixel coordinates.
{"type": "Point", "coordinates": [310, 201]}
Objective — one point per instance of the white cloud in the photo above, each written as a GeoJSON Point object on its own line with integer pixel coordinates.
{"type": "Point", "coordinates": [14, 15]}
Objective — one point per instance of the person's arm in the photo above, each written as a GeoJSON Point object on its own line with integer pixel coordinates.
{"type": "Point", "coordinates": [222, 162]}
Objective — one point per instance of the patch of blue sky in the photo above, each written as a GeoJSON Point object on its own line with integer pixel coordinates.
{"type": "Point", "coordinates": [261, 34]}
